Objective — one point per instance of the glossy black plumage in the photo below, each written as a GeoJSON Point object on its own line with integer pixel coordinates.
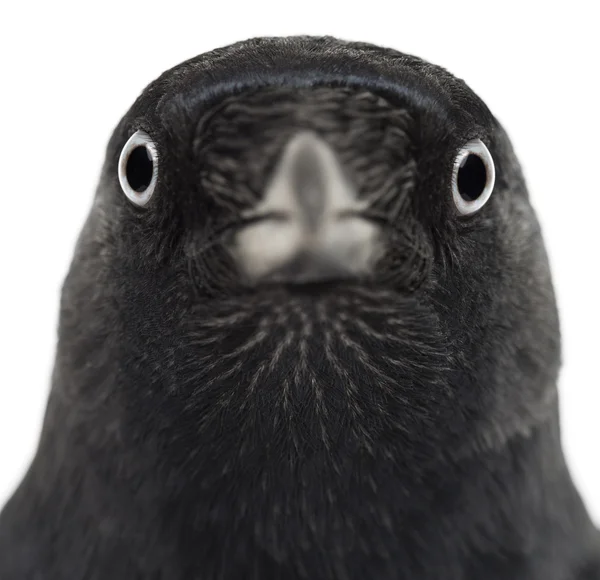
{"type": "Point", "coordinates": [399, 427]}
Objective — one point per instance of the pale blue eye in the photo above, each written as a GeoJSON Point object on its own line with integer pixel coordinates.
{"type": "Point", "coordinates": [473, 177]}
{"type": "Point", "coordinates": [138, 168]}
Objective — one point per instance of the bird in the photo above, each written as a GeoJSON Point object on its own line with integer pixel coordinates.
{"type": "Point", "coordinates": [309, 332]}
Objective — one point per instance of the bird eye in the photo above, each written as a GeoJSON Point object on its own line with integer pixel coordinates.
{"type": "Point", "coordinates": [473, 177]}
{"type": "Point", "coordinates": [138, 168]}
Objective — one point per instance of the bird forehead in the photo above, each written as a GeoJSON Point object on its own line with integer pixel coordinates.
{"type": "Point", "coordinates": [241, 138]}
{"type": "Point", "coordinates": [282, 109]}
{"type": "Point", "coordinates": [303, 62]}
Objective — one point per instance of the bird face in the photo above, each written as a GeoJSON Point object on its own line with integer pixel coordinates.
{"type": "Point", "coordinates": [316, 274]}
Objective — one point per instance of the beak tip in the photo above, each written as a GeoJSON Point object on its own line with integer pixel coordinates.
{"type": "Point", "coordinates": [322, 235]}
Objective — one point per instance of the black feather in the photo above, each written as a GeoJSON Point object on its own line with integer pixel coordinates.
{"type": "Point", "coordinates": [404, 426]}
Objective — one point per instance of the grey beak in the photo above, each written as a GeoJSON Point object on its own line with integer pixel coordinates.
{"type": "Point", "coordinates": [308, 226]}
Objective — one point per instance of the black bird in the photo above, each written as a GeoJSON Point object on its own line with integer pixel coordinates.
{"type": "Point", "coordinates": [309, 332]}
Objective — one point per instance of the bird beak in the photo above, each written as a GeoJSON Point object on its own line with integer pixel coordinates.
{"type": "Point", "coordinates": [309, 225]}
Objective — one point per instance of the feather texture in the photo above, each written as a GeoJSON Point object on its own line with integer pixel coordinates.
{"type": "Point", "coordinates": [397, 426]}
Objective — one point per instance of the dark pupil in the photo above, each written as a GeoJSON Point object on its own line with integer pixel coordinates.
{"type": "Point", "coordinates": [472, 178]}
{"type": "Point", "coordinates": [139, 169]}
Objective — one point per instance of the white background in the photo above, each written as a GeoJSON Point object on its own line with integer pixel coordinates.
{"type": "Point", "coordinates": [69, 71]}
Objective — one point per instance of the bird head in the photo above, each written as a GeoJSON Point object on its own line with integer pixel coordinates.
{"type": "Point", "coordinates": [306, 258]}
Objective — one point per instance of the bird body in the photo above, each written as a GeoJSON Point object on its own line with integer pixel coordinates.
{"type": "Point", "coordinates": [309, 332]}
